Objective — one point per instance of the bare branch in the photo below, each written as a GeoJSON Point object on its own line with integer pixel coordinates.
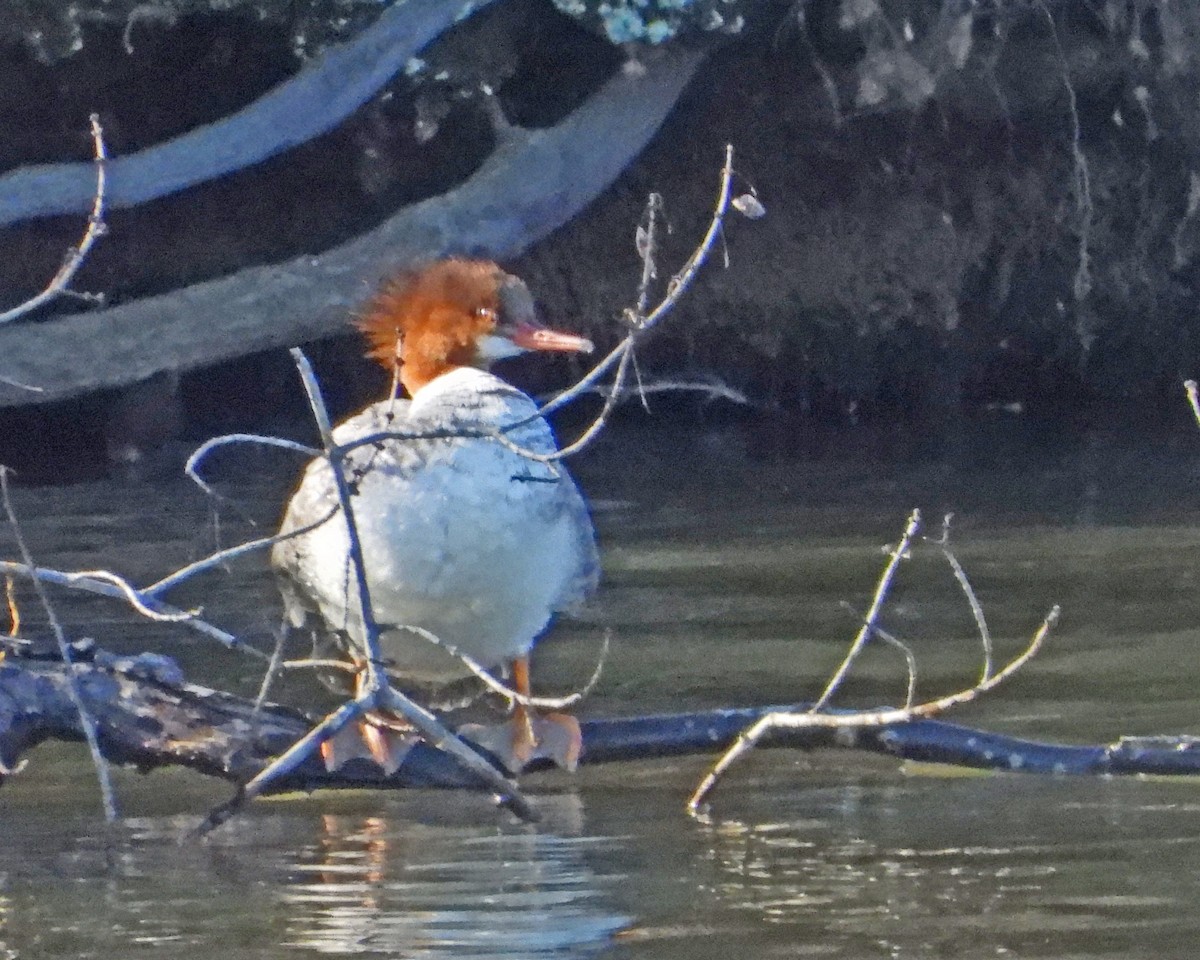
{"type": "Point", "coordinates": [106, 588]}
{"type": "Point", "coordinates": [985, 636]}
{"type": "Point", "coordinates": [76, 255]}
{"type": "Point", "coordinates": [868, 626]}
{"type": "Point", "coordinates": [866, 718]}
{"type": "Point", "coordinates": [496, 213]}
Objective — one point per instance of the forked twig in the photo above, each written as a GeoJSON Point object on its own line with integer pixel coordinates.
{"type": "Point", "coordinates": [812, 717]}
{"type": "Point", "coordinates": [910, 659]}
{"type": "Point", "coordinates": [86, 720]}
{"type": "Point", "coordinates": [636, 318]}
{"type": "Point", "coordinates": [865, 718]}
{"type": "Point", "coordinates": [107, 588]}
{"type": "Point", "coordinates": [77, 254]}
{"type": "Point", "coordinates": [897, 554]}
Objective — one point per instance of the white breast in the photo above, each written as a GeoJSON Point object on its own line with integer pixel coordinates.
{"type": "Point", "coordinates": [461, 536]}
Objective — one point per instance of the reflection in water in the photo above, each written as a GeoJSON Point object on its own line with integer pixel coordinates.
{"type": "Point", "coordinates": [282, 883]}
{"type": "Point", "coordinates": [991, 869]}
{"type": "Point", "coordinates": [372, 886]}
{"type": "Point", "coordinates": [5, 909]}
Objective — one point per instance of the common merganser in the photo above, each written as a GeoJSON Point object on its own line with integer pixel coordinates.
{"type": "Point", "coordinates": [463, 537]}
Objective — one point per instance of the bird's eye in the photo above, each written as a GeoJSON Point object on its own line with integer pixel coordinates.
{"type": "Point", "coordinates": [485, 313]}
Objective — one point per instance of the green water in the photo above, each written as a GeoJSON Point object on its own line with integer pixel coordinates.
{"type": "Point", "coordinates": [729, 556]}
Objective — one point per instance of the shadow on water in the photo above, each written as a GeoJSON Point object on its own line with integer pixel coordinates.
{"type": "Point", "coordinates": [728, 556]}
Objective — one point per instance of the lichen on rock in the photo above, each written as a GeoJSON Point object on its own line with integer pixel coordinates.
{"type": "Point", "coordinates": [654, 21]}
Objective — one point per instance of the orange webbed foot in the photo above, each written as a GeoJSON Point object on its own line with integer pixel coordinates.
{"type": "Point", "coordinates": [529, 736]}
{"type": "Point", "coordinates": [375, 738]}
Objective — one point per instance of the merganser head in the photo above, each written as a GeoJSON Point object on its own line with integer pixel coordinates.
{"type": "Point", "coordinates": [456, 313]}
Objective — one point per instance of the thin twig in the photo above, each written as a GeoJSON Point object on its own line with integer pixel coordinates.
{"type": "Point", "coordinates": [476, 668]}
{"type": "Point", "coordinates": [985, 635]}
{"type": "Point", "coordinates": [640, 324]}
{"type": "Point", "coordinates": [273, 668]}
{"type": "Point", "coordinates": [868, 626]}
{"type": "Point", "coordinates": [21, 385]}
{"type": "Point", "coordinates": [503, 689]}
{"type": "Point", "coordinates": [593, 429]}
{"type": "Point", "coordinates": [647, 243]}
{"type": "Point", "coordinates": [589, 381]}
{"type": "Point", "coordinates": [105, 588]}
{"type": "Point", "coordinates": [711, 387]}
{"type": "Point", "coordinates": [892, 640]}
{"type": "Point", "coordinates": [321, 663]}
{"type": "Point", "coordinates": [14, 611]}
{"type": "Point", "coordinates": [1083, 179]}
{"type": "Point", "coordinates": [683, 279]}
{"type": "Point", "coordinates": [86, 720]}
{"type": "Point", "coordinates": [137, 599]}
{"type": "Point", "coordinates": [77, 254]}
{"type": "Point", "coordinates": [230, 553]}
{"type": "Point", "coordinates": [192, 467]}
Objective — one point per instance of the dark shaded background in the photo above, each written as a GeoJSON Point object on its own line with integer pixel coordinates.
{"type": "Point", "coordinates": [970, 207]}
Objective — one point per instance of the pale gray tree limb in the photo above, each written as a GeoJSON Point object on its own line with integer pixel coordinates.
{"type": "Point", "coordinates": [532, 183]}
{"type": "Point", "coordinates": [312, 102]}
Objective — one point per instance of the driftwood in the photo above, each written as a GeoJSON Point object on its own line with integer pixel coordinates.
{"type": "Point", "coordinates": [532, 183]}
{"type": "Point", "coordinates": [148, 716]}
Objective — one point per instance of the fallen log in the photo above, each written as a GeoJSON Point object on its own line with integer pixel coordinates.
{"type": "Point", "coordinates": [148, 716]}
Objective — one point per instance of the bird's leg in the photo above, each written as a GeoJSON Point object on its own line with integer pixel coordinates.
{"type": "Point", "coordinates": [554, 736]}
{"type": "Point", "coordinates": [524, 740]}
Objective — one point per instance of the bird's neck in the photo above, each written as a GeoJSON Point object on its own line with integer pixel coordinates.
{"type": "Point", "coordinates": [415, 376]}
